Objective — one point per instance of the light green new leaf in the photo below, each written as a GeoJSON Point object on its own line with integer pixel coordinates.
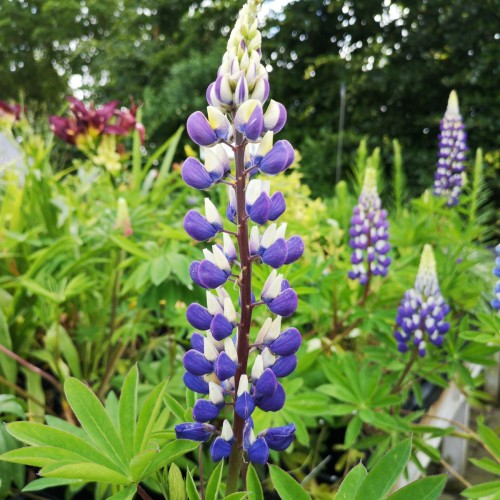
{"type": "Point", "coordinates": [214, 482]}
{"type": "Point", "coordinates": [385, 472]}
{"type": "Point", "coordinates": [351, 483]}
{"type": "Point", "coordinates": [140, 462]}
{"type": "Point", "coordinates": [7, 365]}
{"type": "Point", "coordinates": [169, 453]}
{"type": "Point", "coordinates": [176, 487]}
{"type": "Point", "coordinates": [40, 456]}
{"type": "Point", "coordinates": [426, 488]}
{"type": "Point", "coordinates": [128, 411]}
{"type": "Point", "coordinates": [159, 270]}
{"type": "Point", "coordinates": [84, 471]}
{"type": "Point", "coordinates": [94, 419]}
{"type": "Point", "coordinates": [175, 407]}
{"type": "Point", "coordinates": [253, 484]}
{"type": "Point", "coordinates": [125, 494]}
{"type": "Point", "coordinates": [43, 435]}
{"type": "Point", "coordinates": [286, 486]}
{"type": "Point", "coordinates": [191, 489]}
{"type": "Point", "coordinates": [147, 417]}
{"type": "Point", "coordinates": [48, 482]}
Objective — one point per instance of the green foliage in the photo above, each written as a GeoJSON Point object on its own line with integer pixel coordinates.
{"type": "Point", "coordinates": [377, 484]}
{"type": "Point", "coordinates": [98, 451]}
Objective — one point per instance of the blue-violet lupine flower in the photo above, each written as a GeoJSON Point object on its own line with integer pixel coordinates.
{"type": "Point", "coordinates": [495, 303]}
{"type": "Point", "coordinates": [422, 311]}
{"type": "Point", "coordinates": [369, 233]}
{"type": "Point", "coordinates": [449, 178]}
{"type": "Point", "coordinates": [218, 362]}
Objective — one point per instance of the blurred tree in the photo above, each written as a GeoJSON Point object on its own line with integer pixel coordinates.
{"type": "Point", "coordinates": [399, 61]}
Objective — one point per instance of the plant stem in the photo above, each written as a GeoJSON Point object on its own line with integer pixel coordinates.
{"type": "Point", "coordinates": [117, 354]}
{"type": "Point", "coordinates": [200, 465]}
{"type": "Point", "coordinates": [47, 376]}
{"type": "Point", "coordinates": [26, 395]}
{"type": "Point", "coordinates": [407, 368]}
{"type": "Point", "coordinates": [245, 283]}
{"type": "Point", "coordinates": [143, 493]}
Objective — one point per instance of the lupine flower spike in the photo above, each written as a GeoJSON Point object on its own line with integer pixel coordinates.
{"type": "Point", "coordinates": [218, 365]}
{"type": "Point", "coordinates": [450, 174]}
{"type": "Point", "coordinates": [421, 314]}
{"type": "Point", "coordinates": [495, 303]}
{"type": "Point", "coordinates": [369, 233]}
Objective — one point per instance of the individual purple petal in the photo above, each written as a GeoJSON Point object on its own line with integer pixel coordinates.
{"type": "Point", "coordinates": [224, 367]}
{"type": "Point", "coordinates": [204, 410]}
{"type": "Point", "coordinates": [198, 226]}
{"type": "Point", "coordinates": [258, 452]}
{"type": "Point", "coordinates": [277, 206]}
{"type": "Point", "coordinates": [210, 275]}
{"type": "Point", "coordinates": [259, 211]}
{"type": "Point", "coordinates": [255, 124]}
{"type": "Point", "coordinates": [279, 438]}
{"type": "Point", "coordinates": [220, 449]}
{"type": "Point", "coordinates": [194, 431]}
{"type": "Point", "coordinates": [275, 256]}
{"type": "Point", "coordinates": [278, 159]}
{"type": "Point", "coordinates": [284, 365]}
{"type": "Point", "coordinates": [287, 343]}
{"type": "Point", "coordinates": [197, 342]}
{"type": "Point", "coordinates": [198, 316]}
{"type": "Point", "coordinates": [221, 327]}
{"type": "Point", "coordinates": [193, 272]}
{"type": "Point", "coordinates": [267, 383]}
{"type": "Point", "coordinates": [195, 383]}
{"type": "Point", "coordinates": [295, 249]}
{"type": "Point", "coordinates": [274, 402]}
{"type": "Point", "coordinates": [244, 405]}
{"type": "Point", "coordinates": [196, 363]}
{"type": "Point", "coordinates": [285, 303]}
{"type": "Point", "coordinates": [200, 130]}
{"type": "Point", "coordinates": [194, 174]}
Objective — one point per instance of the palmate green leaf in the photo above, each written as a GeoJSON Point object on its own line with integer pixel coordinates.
{"type": "Point", "coordinates": [43, 435]}
{"type": "Point", "coordinates": [159, 270]}
{"type": "Point", "coordinates": [85, 471]}
{"type": "Point", "coordinates": [128, 411]}
{"type": "Point", "coordinates": [254, 486]}
{"type": "Point", "coordinates": [338, 391]}
{"type": "Point", "coordinates": [385, 472]}
{"type": "Point", "coordinates": [426, 488]}
{"type": "Point", "coordinates": [147, 417]}
{"type": "Point", "coordinates": [351, 483]}
{"type": "Point", "coordinates": [130, 247]}
{"type": "Point", "coordinates": [48, 482]}
{"type": "Point", "coordinates": [94, 419]}
{"type": "Point", "coordinates": [213, 485]}
{"type": "Point", "coordinates": [140, 462]}
{"type": "Point", "coordinates": [286, 486]}
{"type": "Point", "coordinates": [237, 496]}
{"type": "Point", "coordinates": [168, 454]}
{"type": "Point", "coordinates": [309, 404]}
{"type": "Point", "coordinates": [490, 439]}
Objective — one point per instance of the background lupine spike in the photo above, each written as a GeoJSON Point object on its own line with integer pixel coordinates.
{"type": "Point", "coordinates": [421, 314]}
{"type": "Point", "coordinates": [217, 366]}
{"type": "Point", "coordinates": [369, 233]}
{"type": "Point", "coordinates": [449, 178]}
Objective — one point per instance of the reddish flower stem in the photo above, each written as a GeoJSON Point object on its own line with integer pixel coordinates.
{"type": "Point", "coordinates": [245, 282]}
